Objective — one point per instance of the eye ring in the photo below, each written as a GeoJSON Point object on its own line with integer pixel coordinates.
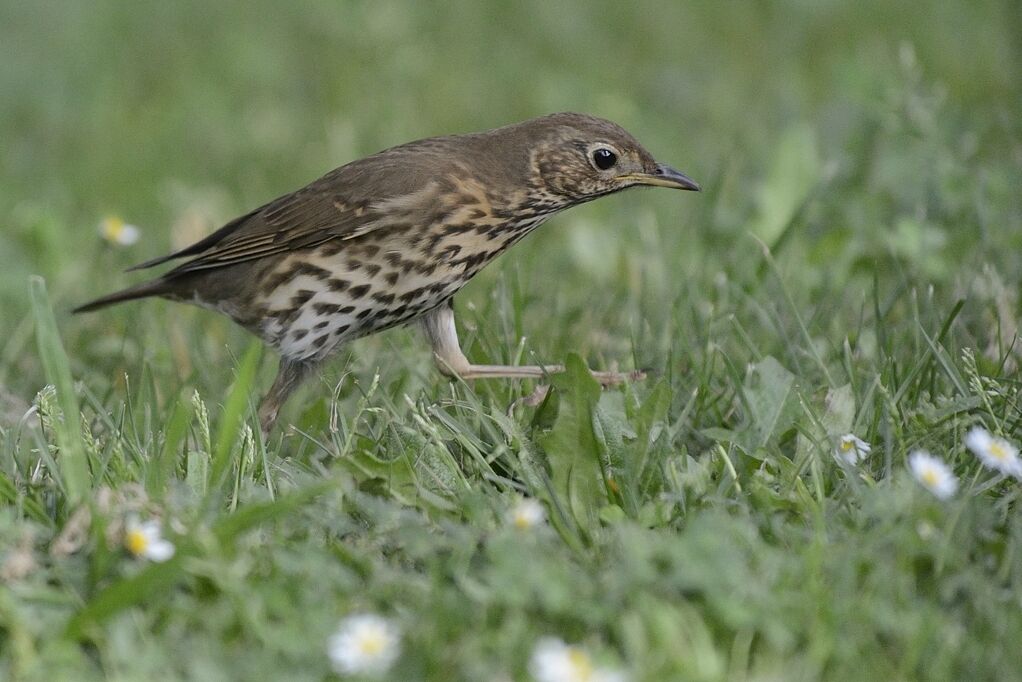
{"type": "Point", "coordinates": [603, 158]}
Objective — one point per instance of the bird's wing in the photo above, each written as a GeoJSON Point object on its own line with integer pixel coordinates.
{"type": "Point", "coordinates": [346, 203]}
{"type": "Point", "coordinates": [300, 220]}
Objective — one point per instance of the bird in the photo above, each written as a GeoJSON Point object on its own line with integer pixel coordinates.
{"type": "Point", "coordinates": [392, 237]}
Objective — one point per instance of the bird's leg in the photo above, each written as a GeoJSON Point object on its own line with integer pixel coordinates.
{"type": "Point", "coordinates": [290, 375]}
{"type": "Point", "coordinates": [443, 336]}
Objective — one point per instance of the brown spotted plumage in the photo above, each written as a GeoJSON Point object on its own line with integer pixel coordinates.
{"type": "Point", "coordinates": [392, 237]}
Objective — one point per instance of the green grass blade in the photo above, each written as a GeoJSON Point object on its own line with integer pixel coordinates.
{"type": "Point", "coordinates": [251, 515]}
{"type": "Point", "coordinates": [233, 414]}
{"type": "Point", "coordinates": [161, 471]}
{"type": "Point", "coordinates": [137, 589]}
{"type": "Point", "coordinates": [74, 470]}
{"type": "Point", "coordinates": [33, 509]}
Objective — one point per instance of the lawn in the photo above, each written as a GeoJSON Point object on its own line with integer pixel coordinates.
{"type": "Point", "coordinates": [852, 267]}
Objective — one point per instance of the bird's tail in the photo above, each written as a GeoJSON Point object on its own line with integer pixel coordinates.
{"type": "Point", "coordinates": [156, 287]}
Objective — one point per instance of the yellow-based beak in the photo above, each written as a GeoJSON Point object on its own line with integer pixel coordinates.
{"type": "Point", "coordinates": [663, 176]}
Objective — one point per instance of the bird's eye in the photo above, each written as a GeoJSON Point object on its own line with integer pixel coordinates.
{"type": "Point", "coordinates": [604, 158]}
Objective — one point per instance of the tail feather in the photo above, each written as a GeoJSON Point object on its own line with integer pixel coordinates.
{"type": "Point", "coordinates": [154, 287]}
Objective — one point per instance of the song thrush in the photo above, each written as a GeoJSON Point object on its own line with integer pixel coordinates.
{"type": "Point", "coordinates": [392, 237]}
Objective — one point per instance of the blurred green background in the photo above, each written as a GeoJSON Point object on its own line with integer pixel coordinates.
{"type": "Point", "coordinates": [858, 235]}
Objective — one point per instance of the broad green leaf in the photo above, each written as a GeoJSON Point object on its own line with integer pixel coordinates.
{"type": "Point", "coordinates": [572, 446]}
{"type": "Point", "coordinates": [151, 581]}
{"type": "Point", "coordinates": [840, 413]}
{"type": "Point", "coordinates": [252, 515]}
{"type": "Point", "coordinates": [769, 392]}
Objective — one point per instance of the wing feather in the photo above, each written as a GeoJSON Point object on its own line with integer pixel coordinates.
{"type": "Point", "coordinates": [346, 203]}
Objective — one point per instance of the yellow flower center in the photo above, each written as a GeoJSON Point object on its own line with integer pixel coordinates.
{"type": "Point", "coordinates": [930, 477]}
{"type": "Point", "coordinates": [521, 520]}
{"type": "Point", "coordinates": [113, 228]}
{"type": "Point", "coordinates": [136, 542]}
{"type": "Point", "coordinates": [998, 451]}
{"type": "Point", "coordinates": [846, 445]}
{"type": "Point", "coordinates": [581, 663]}
{"type": "Point", "coordinates": [371, 644]}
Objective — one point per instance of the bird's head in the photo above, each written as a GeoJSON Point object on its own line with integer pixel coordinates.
{"type": "Point", "coordinates": [579, 158]}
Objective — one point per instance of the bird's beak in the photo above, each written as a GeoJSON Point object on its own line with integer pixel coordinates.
{"type": "Point", "coordinates": [663, 176]}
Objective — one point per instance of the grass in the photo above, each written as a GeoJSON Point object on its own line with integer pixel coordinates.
{"type": "Point", "coordinates": [852, 266]}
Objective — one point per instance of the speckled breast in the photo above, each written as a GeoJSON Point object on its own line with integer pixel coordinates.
{"type": "Point", "coordinates": [314, 300]}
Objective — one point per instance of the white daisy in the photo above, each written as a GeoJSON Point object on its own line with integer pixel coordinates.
{"type": "Point", "coordinates": [554, 661]}
{"type": "Point", "coordinates": [933, 474]}
{"type": "Point", "coordinates": [365, 644]}
{"type": "Point", "coordinates": [145, 540]}
{"type": "Point", "coordinates": [851, 449]}
{"type": "Point", "coordinates": [995, 453]}
{"type": "Point", "coordinates": [528, 513]}
{"type": "Point", "coordinates": [116, 231]}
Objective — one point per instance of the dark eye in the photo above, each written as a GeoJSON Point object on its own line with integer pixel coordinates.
{"type": "Point", "coordinates": [603, 158]}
